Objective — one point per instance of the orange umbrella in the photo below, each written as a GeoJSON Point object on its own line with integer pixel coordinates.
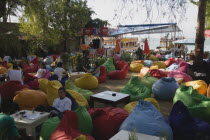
{"type": "Point", "coordinates": [146, 47]}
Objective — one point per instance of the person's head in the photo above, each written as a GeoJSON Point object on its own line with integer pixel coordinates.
{"type": "Point", "coordinates": [60, 64]}
{"type": "Point", "coordinates": [42, 65]}
{"type": "Point", "coordinates": [62, 92]}
{"type": "Point", "coordinates": [15, 66]}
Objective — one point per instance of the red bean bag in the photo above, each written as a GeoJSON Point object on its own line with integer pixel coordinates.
{"type": "Point", "coordinates": [120, 64]}
{"type": "Point", "coordinates": [157, 73]}
{"type": "Point", "coordinates": [68, 128]}
{"type": "Point", "coordinates": [7, 90]}
{"type": "Point", "coordinates": [179, 74]}
{"type": "Point", "coordinates": [33, 84]}
{"type": "Point", "coordinates": [102, 76]}
{"type": "Point", "coordinates": [4, 64]}
{"type": "Point", "coordinates": [31, 69]}
{"type": "Point", "coordinates": [24, 65]}
{"type": "Point", "coordinates": [106, 121]}
{"type": "Point", "coordinates": [169, 61]}
{"type": "Point", "coordinates": [35, 60]}
{"type": "Point", "coordinates": [29, 77]}
{"type": "Point", "coordinates": [54, 56]}
{"type": "Point", "coordinates": [119, 74]}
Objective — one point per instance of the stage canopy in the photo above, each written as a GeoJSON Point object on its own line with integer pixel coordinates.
{"type": "Point", "coordinates": [146, 29]}
{"type": "Point", "coordinates": [185, 41]}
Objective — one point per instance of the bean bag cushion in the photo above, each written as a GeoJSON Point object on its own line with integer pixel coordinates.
{"type": "Point", "coordinates": [49, 68]}
{"type": "Point", "coordinates": [74, 105]}
{"type": "Point", "coordinates": [87, 81]}
{"type": "Point", "coordinates": [161, 65]}
{"type": "Point", "coordinates": [184, 126]}
{"type": "Point", "coordinates": [31, 69]}
{"type": "Point", "coordinates": [165, 88]}
{"type": "Point", "coordinates": [54, 56]}
{"type": "Point", "coordinates": [47, 74]}
{"type": "Point", "coordinates": [148, 63]}
{"type": "Point", "coordinates": [33, 84]}
{"type": "Point", "coordinates": [146, 119]}
{"type": "Point", "coordinates": [199, 85]}
{"type": "Point", "coordinates": [1, 59]}
{"type": "Point", "coordinates": [208, 91]}
{"type": "Point", "coordinates": [85, 93]}
{"type": "Point", "coordinates": [43, 83]}
{"type": "Point", "coordinates": [48, 127]}
{"type": "Point", "coordinates": [198, 105]}
{"type": "Point", "coordinates": [48, 60]}
{"type": "Point", "coordinates": [52, 91]}
{"type": "Point", "coordinates": [178, 74]}
{"type": "Point", "coordinates": [68, 129]}
{"type": "Point", "coordinates": [5, 64]}
{"type": "Point", "coordinates": [143, 71]}
{"type": "Point", "coordinates": [35, 60]}
{"type": "Point", "coordinates": [29, 99]}
{"type": "Point", "coordinates": [79, 98]}
{"type": "Point", "coordinates": [169, 61]}
{"type": "Point", "coordinates": [157, 73]}
{"type": "Point", "coordinates": [136, 89]}
{"type": "Point", "coordinates": [154, 67]}
{"type": "Point", "coordinates": [85, 121]}
{"type": "Point", "coordinates": [119, 74]}
{"type": "Point", "coordinates": [120, 64]}
{"type": "Point", "coordinates": [138, 61]}
{"type": "Point", "coordinates": [136, 67]}
{"type": "Point", "coordinates": [102, 76]}
{"type": "Point", "coordinates": [109, 65]}
{"type": "Point", "coordinates": [8, 89]}
{"type": "Point", "coordinates": [130, 106]}
{"type": "Point", "coordinates": [106, 121]}
{"type": "Point", "coordinates": [174, 66]}
{"type": "Point", "coordinates": [148, 81]}
{"type": "Point", "coordinates": [116, 58]}
{"type": "Point", "coordinates": [28, 77]}
{"type": "Point", "coordinates": [3, 70]}
{"type": "Point", "coordinates": [153, 58]}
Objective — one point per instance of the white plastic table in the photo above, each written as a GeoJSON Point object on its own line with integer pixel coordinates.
{"type": "Point", "coordinates": [30, 121]}
{"type": "Point", "coordinates": [124, 135]}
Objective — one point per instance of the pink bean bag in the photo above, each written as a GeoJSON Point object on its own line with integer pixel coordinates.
{"type": "Point", "coordinates": [178, 74]}
{"type": "Point", "coordinates": [169, 61]}
{"type": "Point", "coordinates": [119, 74]}
{"type": "Point", "coordinates": [102, 76]}
{"type": "Point", "coordinates": [157, 73]}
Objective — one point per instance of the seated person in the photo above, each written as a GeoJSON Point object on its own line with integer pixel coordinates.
{"type": "Point", "coordinates": [95, 71]}
{"type": "Point", "coordinates": [41, 71]}
{"type": "Point", "coordinates": [59, 71]}
{"type": "Point", "coordinates": [15, 74]}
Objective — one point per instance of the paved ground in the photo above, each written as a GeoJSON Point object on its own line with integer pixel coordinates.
{"type": "Point", "coordinates": [116, 85]}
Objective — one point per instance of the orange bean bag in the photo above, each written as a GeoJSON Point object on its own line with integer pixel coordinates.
{"type": "Point", "coordinates": [138, 61]}
{"type": "Point", "coordinates": [3, 70]}
{"type": "Point", "coordinates": [143, 71]}
{"type": "Point", "coordinates": [208, 91]}
{"type": "Point", "coordinates": [199, 85]}
{"type": "Point", "coordinates": [29, 99]}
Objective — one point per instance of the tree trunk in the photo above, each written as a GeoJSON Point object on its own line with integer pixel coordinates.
{"type": "Point", "coordinates": [3, 10]}
{"type": "Point", "coordinates": [199, 42]}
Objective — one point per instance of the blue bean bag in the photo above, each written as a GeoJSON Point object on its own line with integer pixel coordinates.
{"type": "Point", "coordinates": [184, 126]}
{"type": "Point", "coordinates": [148, 63]}
{"type": "Point", "coordinates": [165, 88]}
{"type": "Point", "coordinates": [146, 119]}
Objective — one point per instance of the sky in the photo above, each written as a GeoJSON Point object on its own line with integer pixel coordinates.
{"type": "Point", "coordinates": [106, 9]}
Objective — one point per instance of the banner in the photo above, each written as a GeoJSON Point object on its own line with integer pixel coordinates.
{"type": "Point", "coordinates": [88, 31]}
{"type": "Point", "coordinates": [104, 31]}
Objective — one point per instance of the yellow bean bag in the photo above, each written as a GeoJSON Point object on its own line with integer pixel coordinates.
{"type": "Point", "coordinates": [130, 106]}
{"type": "Point", "coordinates": [143, 71]}
{"type": "Point", "coordinates": [52, 91]}
{"type": "Point", "coordinates": [199, 85]}
{"type": "Point", "coordinates": [29, 99]}
{"type": "Point", "coordinates": [10, 65]}
{"type": "Point", "coordinates": [79, 98]}
{"type": "Point", "coordinates": [153, 58]}
{"type": "Point", "coordinates": [1, 59]}
{"type": "Point", "coordinates": [81, 137]}
{"type": "Point", "coordinates": [43, 83]}
{"type": "Point", "coordinates": [154, 67]}
{"type": "Point", "coordinates": [3, 70]}
{"type": "Point", "coordinates": [208, 91]}
{"type": "Point", "coordinates": [153, 101]}
{"type": "Point", "coordinates": [161, 65]}
{"type": "Point", "coordinates": [87, 81]}
{"type": "Point", "coordinates": [138, 61]}
{"type": "Point", "coordinates": [136, 67]}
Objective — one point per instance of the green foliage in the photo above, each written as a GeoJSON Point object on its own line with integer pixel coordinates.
{"type": "Point", "coordinates": [127, 57]}
{"type": "Point", "coordinates": [97, 23]}
{"type": "Point", "coordinates": [101, 60]}
{"type": "Point", "coordinates": [132, 135]}
{"type": "Point", "coordinates": [67, 61]}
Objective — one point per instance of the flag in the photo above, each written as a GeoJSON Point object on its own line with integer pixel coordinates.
{"type": "Point", "coordinates": [146, 47]}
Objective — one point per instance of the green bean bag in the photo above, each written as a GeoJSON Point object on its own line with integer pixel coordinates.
{"type": "Point", "coordinates": [148, 81]}
{"type": "Point", "coordinates": [85, 120]}
{"type": "Point", "coordinates": [198, 105]}
{"type": "Point", "coordinates": [48, 127]}
{"type": "Point", "coordinates": [85, 93]}
{"type": "Point", "coordinates": [136, 89]}
{"type": "Point", "coordinates": [109, 65]}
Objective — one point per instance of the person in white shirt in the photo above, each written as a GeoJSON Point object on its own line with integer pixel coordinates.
{"type": "Point", "coordinates": [41, 71]}
{"type": "Point", "coordinates": [15, 74]}
{"type": "Point", "coordinates": [59, 71]}
{"type": "Point", "coordinates": [62, 103]}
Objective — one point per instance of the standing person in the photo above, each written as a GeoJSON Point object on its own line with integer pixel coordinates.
{"type": "Point", "coordinates": [84, 48]}
{"type": "Point", "coordinates": [60, 72]}
{"type": "Point", "coordinates": [15, 74]}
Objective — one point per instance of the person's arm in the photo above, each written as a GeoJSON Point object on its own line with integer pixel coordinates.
{"type": "Point", "coordinates": [96, 71]}
{"type": "Point", "coordinates": [85, 69]}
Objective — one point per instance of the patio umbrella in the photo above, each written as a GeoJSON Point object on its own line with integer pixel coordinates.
{"type": "Point", "coordinates": [146, 47]}
{"type": "Point", "coordinates": [207, 33]}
